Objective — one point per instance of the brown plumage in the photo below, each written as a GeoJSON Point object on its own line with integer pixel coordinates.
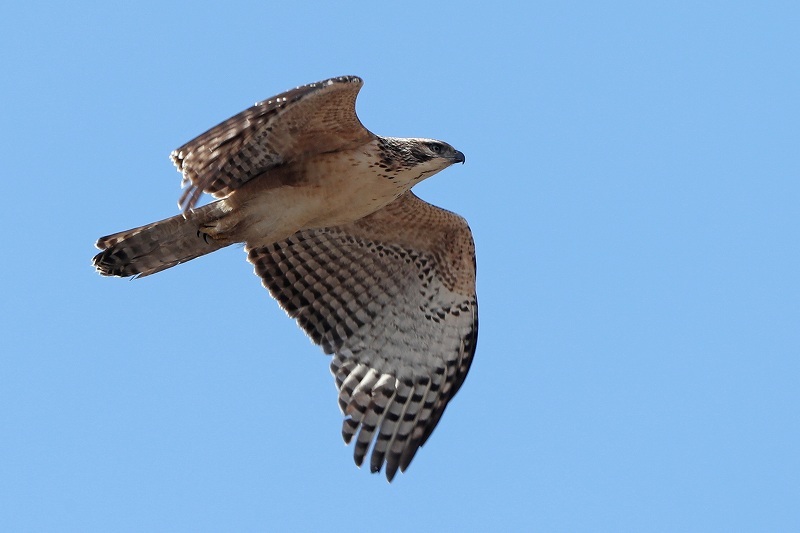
{"type": "Point", "coordinates": [155, 247]}
{"type": "Point", "coordinates": [379, 278]}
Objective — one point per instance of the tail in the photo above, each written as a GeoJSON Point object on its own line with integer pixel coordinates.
{"type": "Point", "coordinates": [157, 246]}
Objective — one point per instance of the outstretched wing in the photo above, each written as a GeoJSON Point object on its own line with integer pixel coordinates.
{"type": "Point", "coordinates": [392, 296]}
{"type": "Point", "coordinates": [315, 118]}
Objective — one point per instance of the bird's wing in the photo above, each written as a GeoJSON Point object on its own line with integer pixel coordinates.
{"type": "Point", "coordinates": [392, 296]}
{"type": "Point", "coordinates": [315, 118]}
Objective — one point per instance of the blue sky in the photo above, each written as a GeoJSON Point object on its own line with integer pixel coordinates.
{"type": "Point", "coordinates": [632, 182]}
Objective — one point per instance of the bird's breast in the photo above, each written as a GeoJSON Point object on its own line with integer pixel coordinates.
{"type": "Point", "coordinates": [321, 191]}
{"type": "Point", "coordinates": [351, 185]}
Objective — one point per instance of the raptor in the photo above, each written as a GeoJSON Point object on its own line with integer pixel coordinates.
{"type": "Point", "coordinates": [379, 278]}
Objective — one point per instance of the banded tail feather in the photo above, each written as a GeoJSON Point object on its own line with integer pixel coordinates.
{"type": "Point", "coordinates": [158, 246]}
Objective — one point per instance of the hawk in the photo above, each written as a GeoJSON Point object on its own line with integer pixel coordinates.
{"type": "Point", "coordinates": [379, 278]}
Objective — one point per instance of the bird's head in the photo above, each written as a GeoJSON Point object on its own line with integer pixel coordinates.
{"type": "Point", "coordinates": [418, 159]}
{"type": "Point", "coordinates": [438, 153]}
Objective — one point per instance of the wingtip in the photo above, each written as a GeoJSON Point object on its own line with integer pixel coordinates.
{"type": "Point", "coordinates": [349, 78]}
{"type": "Point", "coordinates": [391, 470]}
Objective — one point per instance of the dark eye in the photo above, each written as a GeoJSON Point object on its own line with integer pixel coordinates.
{"type": "Point", "coordinates": [435, 148]}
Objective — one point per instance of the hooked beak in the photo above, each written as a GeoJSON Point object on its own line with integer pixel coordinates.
{"type": "Point", "coordinates": [459, 157]}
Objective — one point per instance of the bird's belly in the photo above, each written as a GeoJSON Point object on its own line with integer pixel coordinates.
{"type": "Point", "coordinates": [330, 193]}
{"type": "Point", "coordinates": [351, 203]}
{"type": "Point", "coordinates": [351, 193]}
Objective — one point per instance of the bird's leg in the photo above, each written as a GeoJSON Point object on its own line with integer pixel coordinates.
{"type": "Point", "coordinates": [202, 235]}
{"type": "Point", "coordinates": [220, 230]}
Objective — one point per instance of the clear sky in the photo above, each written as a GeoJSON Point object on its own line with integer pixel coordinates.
{"type": "Point", "coordinates": [633, 185]}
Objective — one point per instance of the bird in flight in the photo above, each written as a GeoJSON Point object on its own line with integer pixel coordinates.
{"type": "Point", "coordinates": [379, 278]}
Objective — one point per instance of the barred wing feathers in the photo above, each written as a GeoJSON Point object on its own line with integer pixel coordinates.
{"type": "Point", "coordinates": [392, 296]}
